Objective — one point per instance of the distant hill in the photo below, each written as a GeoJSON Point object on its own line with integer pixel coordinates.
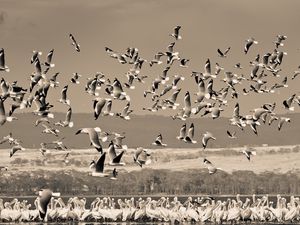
{"type": "Point", "coordinates": [142, 131]}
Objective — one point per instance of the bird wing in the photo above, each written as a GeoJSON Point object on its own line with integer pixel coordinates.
{"type": "Point", "coordinates": [220, 52]}
{"type": "Point", "coordinates": [37, 66]}
{"type": "Point", "coordinates": [2, 59]}
{"type": "Point", "coordinates": [2, 109]}
{"type": "Point", "coordinates": [94, 138]}
{"type": "Point", "coordinates": [236, 111]}
{"type": "Point", "coordinates": [226, 51]}
{"type": "Point", "coordinates": [64, 93]}
{"type": "Point", "coordinates": [191, 131]}
{"type": "Point", "coordinates": [229, 134]}
{"type": "Point", "coordinates": [207, 67]}
{"type": "Point", "coordinates": [112, 151]}
{"type": "Point", "coordinates": [118, 158]}
{"type": "Point", "coordinates": [100, 163]}
{"type": "Point", "coordinates": [158, 138]}
{"type": "Point", "coordinates": [174, 95]}
{"type": "Point", "coordinates": [182, 131]}
{"type": "Point", "coordinates": [187, 100]}
{"type": "Point", "coordinates": [49, 56]}
{"type": "Point", "coordinates": [69, 115]}
{"type": "Point", "coordinates": [125, 110]}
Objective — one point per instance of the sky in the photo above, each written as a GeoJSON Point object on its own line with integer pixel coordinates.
{"type": "Point", "coordinates": [206, 26]}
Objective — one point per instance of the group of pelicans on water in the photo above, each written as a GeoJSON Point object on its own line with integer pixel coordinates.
{"type": "Point", "coordinates": [49, 208]}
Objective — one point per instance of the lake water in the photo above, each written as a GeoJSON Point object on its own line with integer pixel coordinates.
{"type": "Point", "coordinates": [136, 223]}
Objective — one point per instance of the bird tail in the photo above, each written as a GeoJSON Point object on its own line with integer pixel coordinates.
{"type": "Point", "coordinates": [71, 124]}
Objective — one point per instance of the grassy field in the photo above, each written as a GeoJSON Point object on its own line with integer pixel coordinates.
{"type": "Point", "coordinates": [271, 158]}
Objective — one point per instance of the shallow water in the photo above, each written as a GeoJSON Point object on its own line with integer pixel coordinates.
{"type": "Point", "coordinates": [96, 223]}
{"type": "Point", "coordinates": [140, 223]}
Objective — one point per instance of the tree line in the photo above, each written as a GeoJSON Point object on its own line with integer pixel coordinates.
{"type": "Point", "coordinates": [150, 182]}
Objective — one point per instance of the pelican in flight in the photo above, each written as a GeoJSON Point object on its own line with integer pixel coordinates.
{"type": "Point", "coordinates": [249, 43]}
{"type": "Point", "coordinates": [14, 149]}
{"type": "Point", "coordinates": [158, 141]}
{"type": "Point", "coordinates": [141, 156]}
{"type": "Point", "coordinates": [64, 99]}
{"type": "Point", "coordinates": [223, 54]}
{"type": "Point", "coordinates": [50, 130]}
{"type": "Point", "coordinates": [190, 135]}
{"type": "Point", "coordinates": [176, 33]}
{"type": "Point", "coordinates": [75, 78]}
{"type": "Point", "coordinates": [49, 59]}
{"type": "Point", "coordinates": [248, 153]}
{"type": "Point", "coordinates": [282, 121]}
{"type": "Point", "coordinates": [67, 122]}
{"type": "Point", "coordinates": [98, 105]}
{"type": "Point", "coordinates": [93, 135]}
{"type": "Point", "coordinates": [182, 132]}
{"type": "Point", "coordinates": [231, 134]}
{"type": "Point", "coordinates": [210, 166]}
{"type": "Point", "coordinates": [35, 56]}
{"type": "Point", "coordinates": [206, 137]}
{"type": "Point", "coordinates": [3, 117]}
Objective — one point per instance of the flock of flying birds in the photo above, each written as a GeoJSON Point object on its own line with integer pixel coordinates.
{"type": "Point", "coordinates": [207, 100]}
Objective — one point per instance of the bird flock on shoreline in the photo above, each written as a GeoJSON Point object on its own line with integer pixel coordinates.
{"type": "Point", "coordinates": [164, 92]}
{"type": "Point", "coordinates": [50, 207]}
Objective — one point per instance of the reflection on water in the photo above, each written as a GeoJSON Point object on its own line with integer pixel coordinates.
{"type": "Point", "coordinates": [97, 223]}
{"type": "Point", "coordinates": [137, 223]}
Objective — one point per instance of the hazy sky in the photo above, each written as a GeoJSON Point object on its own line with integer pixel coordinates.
{"type": "Point", "coordinates": [206, 25]}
